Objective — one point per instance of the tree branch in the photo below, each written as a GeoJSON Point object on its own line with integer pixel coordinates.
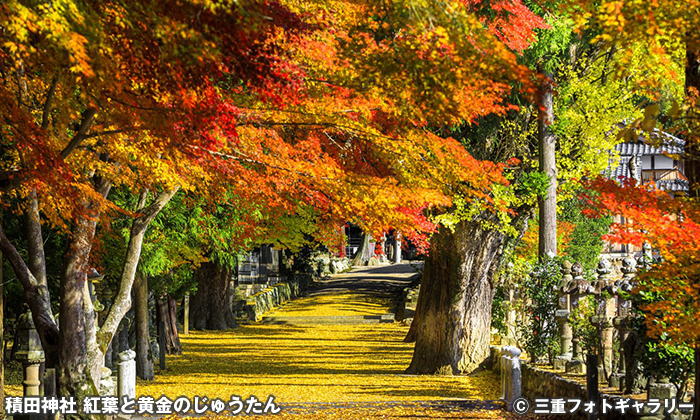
{"type": "Point", "coordinates": [47, 102]}
{"type": "Point", "coordinates": [110, 132]}
{"type": "Point", "coordinates": [37, 297]}
{"type": "Point", "coordinates": [122, 302]}
{"type": "Point", "coordinates": [35, 241]}
{"type": "Point", "coordinates": [88, 116]}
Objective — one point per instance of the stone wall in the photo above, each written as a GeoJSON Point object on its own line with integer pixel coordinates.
{"type": "Point", "coordinates": [259, 303]}
{"type": "Point", "coordinates": [261, 298]}
{"type": "Point", "coordinates": [539, 383]}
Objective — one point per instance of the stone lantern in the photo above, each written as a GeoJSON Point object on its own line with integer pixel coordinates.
{"type": "Point", "coordinates": [622, 322]}
{"type": "Point", "coordinates": [562, 317]}
{"type": "Point", "coordinates": [30, 353]}
{"type": "Point", "coordinates": [603, 318]}
{"type": "Point", "coordinates": [578, 288]}
{"type": "Point", "coordinates": [95, 278]}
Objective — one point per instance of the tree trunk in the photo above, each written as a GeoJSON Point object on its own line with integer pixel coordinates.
{"type": "Point", "coordinates": [173, 334]}
{"type": "Point", "coordinates": [37, 297]}
{"type": "Point", "coordinates": [80, 346]}
{"type": "Point", "coordinates": [144, 357]}
{"type": "Point", "coordinates": [122, 302]}
{"type": "Point", "coordinates": [547, 148]}
{"type": "Point", "coordinates": [453, 322]}
{"type": "Point", "coordinates": [80, 365]}
{"type": "Point", "coordinates": [35, 240]}
{"type": "Point", "coordinates": [359, 259]}
{"type": "Point", "coordinates": [166, 316]}
{"type": "Point", "coordinates": [209, 306]}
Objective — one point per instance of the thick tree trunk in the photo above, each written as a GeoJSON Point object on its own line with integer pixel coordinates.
{"type": "Point", "coordinates": [209, 306]}
{"type": "Point", "coordinates": [547, 148]}
{"type": "Point", "coordinates": [80, 347]}
{"type": "Point", "coordinates": [359, 259]}
{"type": "Point", "coordinates": [166, 314]}
{"type": "Point", "coordinates": [415, 324]}
{"type": "Point", "coordinates": [452, 331]}
{"type": "Point", "coordinates": [79, 364]}
{"type": "Point", "coordinates": [144, 357]}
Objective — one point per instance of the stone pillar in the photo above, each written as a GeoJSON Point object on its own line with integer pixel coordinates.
{"type": "Point", "coordinates": [562, 317]}
{"type": "Point", "coordinates": [622, 321]}
{"type": "Point", "coordinates": [604, 314]}
{"type": "Point", "coordinates": [161, 344]}
{"type": "Point", "coordinates": [397, 247]}
{"type": "Point", "coordinates": [50, 389]}
{"type": "Point", "coordinates": [511, 375]}
{"type": "Point", "coordinates": [127, 375]}
{"type": "Point", "coordinates": [578, 288]}
{"type": "Point", "coordinates": [186, 320]}
{"type": "Point", "coordinates": [504, 373]}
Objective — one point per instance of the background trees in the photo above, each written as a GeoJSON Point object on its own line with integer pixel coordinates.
{"type": "Point", "coordinates": [586, 104]}
{"type": "Point", "coordinates": [267, 102]}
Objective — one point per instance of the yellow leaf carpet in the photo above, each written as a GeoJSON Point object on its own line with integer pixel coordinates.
{"type": "Point", "coordinates": [323, 370]}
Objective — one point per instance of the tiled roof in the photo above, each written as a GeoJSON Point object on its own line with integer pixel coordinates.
{"type": "Point", "coordinates": [667, 144]}
{"type": "Point", "coordinates": [642, 148]}
{"type": "Point", "coordinates": [672, 184]}
{"type": "Point", "coordinates": [622, 169]}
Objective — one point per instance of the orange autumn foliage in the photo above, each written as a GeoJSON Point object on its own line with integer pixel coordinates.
{"type": "Point", "coordinates": [671, 225]}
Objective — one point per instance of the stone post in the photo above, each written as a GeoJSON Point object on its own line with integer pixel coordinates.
{"type": "Point", "coordinates": [126, 386]}
{"type": "Point", "coordinates": [622, 321]}
{"type": "Point", "coordinates": [511, 375]}
{"type": "Point", "coordinates": [577, 289]}
{"type": "Point", "coordinates": [186, 320]}
{"type": "Point", "coordinates": [397, 247]}
{"type": "Point", "coordinates": [504, 373]}
{"type": "Point", "coordinates": [604, 314]}
{"type": "Point", "coordinates": [562, 317]}
{"type": "Point", "coordinates": [161, 344]}
{"type": "Point", "coordinates": [50, 389]}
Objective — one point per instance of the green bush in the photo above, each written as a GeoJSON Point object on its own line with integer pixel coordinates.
{"type": "Point", "coordinates": [540, 333]}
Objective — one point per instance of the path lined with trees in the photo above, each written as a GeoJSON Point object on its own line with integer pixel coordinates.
{"type": "Point", "coordinates": [331, 364]}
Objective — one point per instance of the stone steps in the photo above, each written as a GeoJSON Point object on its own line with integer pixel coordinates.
{"type": "Point", "coordinates": [329, 320]}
